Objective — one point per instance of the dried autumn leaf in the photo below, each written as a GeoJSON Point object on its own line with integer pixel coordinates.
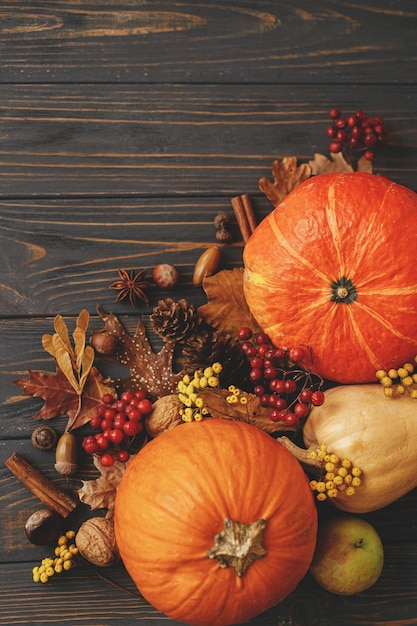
{"type": "Point", "coordinates": [62, 332]}
{"type": "Point", "coordinates": [287, 176]}
{"type": "Point", "coordinates": [337, 164]}
{"type": "Point", "coordinates": [226, 309]}
{"type": "Point", "coordinates": [149, 370]}
{"type": "Point", "coordinates": [252, 412]}
{"type": "Point", "coordinates": [100, 493]}
{"type": "Point", "coordinates": [60, 397]}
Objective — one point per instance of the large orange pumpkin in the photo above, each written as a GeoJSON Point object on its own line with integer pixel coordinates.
{"type": "Point", "coordinates": [333, 266]}
{"type": "Point", "coordinates": [203, 501]}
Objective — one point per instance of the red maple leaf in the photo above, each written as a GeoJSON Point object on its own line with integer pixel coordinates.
{"type": "Point", "coordinates": [60, 397]}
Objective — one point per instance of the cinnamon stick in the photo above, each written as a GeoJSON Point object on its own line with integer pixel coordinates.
{"type": "Point", "coordinates": [245, 215]}
{"type": "Point", "coordinates": [47, 491]}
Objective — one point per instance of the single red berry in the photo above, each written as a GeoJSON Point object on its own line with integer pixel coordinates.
{"type": "Point", "coordinates": [255, 375]}
{"type": "Point", "coordinates": [264, 400]}
{"type": "Point", "coordinates": [334, 113]}
{"type": "Point", "coordinates": [290, 385]}
{"type": "Point", "coordinates": [90, 444]}
{"type": "Point", "coordinates": [280, 403]}
{"type": "Point", "coordinates": [263, 349]}
{"type": "Point", "coordinates": [361, 115]}
{"type": "Point", "coordinates": [301, 409]}
{"type": "Point", "coordinates": [305, 395]}
{"type": "Point", "coordinates": [101, 409]}
{"type": "Point", "coordinates": [340, 123]}
{"type": "Point", "coordinates": [131, 428]}
{"type": "Point", "coordinates": [317, 398]}
{"type": "Point", "coordinates": [119, 420]}
{"type": "Point", "coordinates": [134, 414]}
{"type": "Point", "coordinates": [107, 398]}
{"type": "Point", "coordinates": [95, 422]}
{"type": "Point", "coordinates": [291, 419]}
{"type": "Point", "coordinates": [369, 155]}
{"type": "Point", "coordinates": [262, 338]}
{"type": "Point", "coordinates": [270, 372]}
{"type": "Point", "coordinates": [296, 354]}
{"type": "Point", "coordinates": [278, 385]}
{"type": "Point", "coordinates": [126, 396]}
{"type": "Point", "coordinates": [116, 435]}
{"type": "Point", "coordinates": [275, 415]}
{"type": "Point", "coordinates": [335, 147]}
{"type": "Point", "coordinates": [370, 140]}
{"type": "Point", "coordinates": [259, 390]}
{"type": "Point", "coordinates": [123, 456]}
{"type": "Point", "coordinates": [244, 333]}
{"type": "Point", "coordinates": [140, 394]}
{"type": "Point", "coordinates": [331, 132]}
{"type": "Point", "coordinates": [257, 362]}
{"type": "Point", "coordinates": [145, 406]}
{"type": "Point", "coordinates": [351, 121]}
{"type": "Point", "coordinates": [102, 441]}
{"type": "Point", "coordinates": [107, 459]}
{"type": "Point", "coordinates": [106, 424]}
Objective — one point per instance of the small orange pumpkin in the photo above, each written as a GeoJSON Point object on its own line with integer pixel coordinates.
{"type": "Point", "coordinates": [333, 266]}
{"type": "Point", "coordinates": [215, 522]}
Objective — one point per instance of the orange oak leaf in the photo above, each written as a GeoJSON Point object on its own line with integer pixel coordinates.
{"type": "Point", "coordinates": [61, 398]}
{"type": "Point", "coordinates": [100, 493]}
{"type": "Point", "coordinates": [150, 371]}
{"type": "Point", "coordinates": [287, 176]}
{"type": "Point", "coordinates": [226, 309]}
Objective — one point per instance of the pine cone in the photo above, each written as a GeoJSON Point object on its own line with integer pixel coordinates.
{"type": "Point", "coordinates": [212, 347]}
{"type": "Point", "coordinates": [174, 321]}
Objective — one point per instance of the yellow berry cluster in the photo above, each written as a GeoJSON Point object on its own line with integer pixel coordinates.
{"type": "Point", "coordinates": [191, 390]}
{"type": "Point", "coordinates": [61, 562]}
{"type": "Point", "coordinates": [397, 382]}
{"type": "Point", "coordinates": [236, 395]}
{"type": "Point", "coordinates": [337, 475]}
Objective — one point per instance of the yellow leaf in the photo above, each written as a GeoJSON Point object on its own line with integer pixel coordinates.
{"type": "Point", "coordinates": [62, 330]}
{"type": "Point", "coordinates": [86, 365]}
{"type": "Point", "coordinates": [79, 336]}
{"type": "Point", "coordinates": [64, 361]}
{"type": "Point", "coordinates": [47, 344]}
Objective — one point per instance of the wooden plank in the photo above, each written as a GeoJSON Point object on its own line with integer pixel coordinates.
{"type": "Point", "coordinates": [390, 602]}
{"type": "Point", "coordinates": [62, 255]}
{"type": "Point", "coordinates": [270, 42]}
{"type": "Point", "coordinates": [170, 140]}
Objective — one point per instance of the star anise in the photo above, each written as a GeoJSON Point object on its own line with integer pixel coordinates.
{"type": "Point", "coordinates": [131, 285]}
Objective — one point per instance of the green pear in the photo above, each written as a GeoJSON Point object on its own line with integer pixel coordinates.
{"type": "Point", "coordinates": [349, 555]}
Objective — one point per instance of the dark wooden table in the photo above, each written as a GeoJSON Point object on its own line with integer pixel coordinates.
{"type": "Point", "coordinates": [125, 127]}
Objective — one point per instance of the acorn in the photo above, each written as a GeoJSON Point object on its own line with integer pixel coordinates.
{"type": "Point", "coordinates": [44, 437]}
{"type": "Point", "coordinates": [66, 454]}
{"type": "Point", "coordinates": [43, 527]}
{"type": "Point", "coordinates": [206, 265]}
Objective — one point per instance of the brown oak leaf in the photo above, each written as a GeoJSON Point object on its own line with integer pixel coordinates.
{"type": "Point", "coordinates": [150, 371]}
{"type": "Point", "coordinates": [226, 309]}
{"type": "Point", "coordinates": [337, 164]}
{"type": "Point", "coordinates": [100, 493]}
{"type": "Point", "coordinates": [287, 176]}
{"type": "Point", "coordinates": [62, 399]}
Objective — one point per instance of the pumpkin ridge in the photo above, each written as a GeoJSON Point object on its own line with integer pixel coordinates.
{"type": "Point", "coordinates": [296, 255]}
{"type": "Point", "coordinates": [361, 339]}
{"type": "Point", "coordinates": [379, 318]}
{"type": "Point", "coordinates": [334, 229]}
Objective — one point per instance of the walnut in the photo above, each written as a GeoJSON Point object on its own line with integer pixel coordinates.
{"type": "Point", "coordinates": [164, 416]}
{"type": "Point", "coordinates": [96, 541]}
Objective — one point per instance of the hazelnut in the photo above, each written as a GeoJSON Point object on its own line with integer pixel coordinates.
{"type": "Point", "coordinates": [43, 527]}
{"type": "Point", "coordinates": [96, 541]}
{"type": "Point", "coordinates": [165, 275]}
{"type": "Point", "coordinates": [44, 437]}
{"type": "Point", "coordinates": [103, 342]}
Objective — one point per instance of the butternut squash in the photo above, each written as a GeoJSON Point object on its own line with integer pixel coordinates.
{"type": "Point", "coordinates": [378, 434]}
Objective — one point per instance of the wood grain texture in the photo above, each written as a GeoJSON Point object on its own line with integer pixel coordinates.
{"type": "Point", "coordinates": [125, 127]}
{"type": "Point", "coordinates": [163, 141]}
{"type": "Point", "coordinates": [240, 42]}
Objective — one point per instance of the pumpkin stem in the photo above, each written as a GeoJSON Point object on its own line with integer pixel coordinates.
{"type": "Point", "coordinates": [303, 456]}
{"type": "Point", "coordinates": [238, 545]}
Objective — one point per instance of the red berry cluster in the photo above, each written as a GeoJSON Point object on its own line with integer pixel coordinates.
{"type": "Point", "coordinates": [117, 422]}
{"type": "Point", "coordinates": [280, 379]}
{"type": "Point", "coordinates": [356, 132]}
